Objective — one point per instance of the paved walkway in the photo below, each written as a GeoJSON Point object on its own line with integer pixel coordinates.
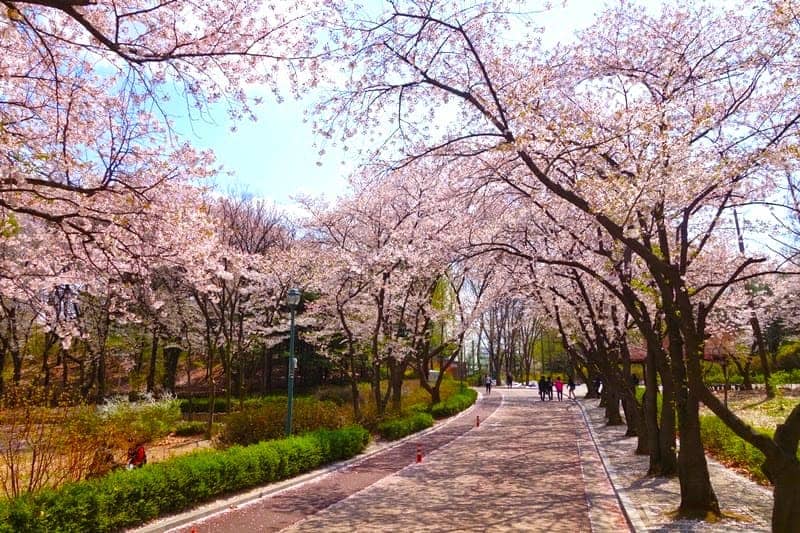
{"type": "Point", "coordinates": [651, 502]}
{"type": "Point", "coordinates": [530, 466]}
{"type": "Point", "coordinates": [520, 471]}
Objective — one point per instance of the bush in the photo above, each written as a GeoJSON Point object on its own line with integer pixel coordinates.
{"type": "Point", "coordinates": [70, 441]}
{"type": "Point", "coordinates": [788, 356]}
{"type": "Point", "coordinates": [400, 427]}
{"type": "Point", "coordinates": [127, 498]}
{"type": "Point", "coordinates": [187, 429]}
{"type": "Point", "coordinates": [265, 419]}
{"type": "Point", "coordinates": [338, 394]}
{"type": "Point", "coordinates": [142, 421]}
{"type": "Point", "coordinates": [454, 404]}
{"type": "Point", "coordinates": [419, 408]}
{"type": "Point", "coordinates": [201, 405]}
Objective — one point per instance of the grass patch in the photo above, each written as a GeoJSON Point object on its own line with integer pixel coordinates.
{"type": "Point", "coordinates": [730, 449]}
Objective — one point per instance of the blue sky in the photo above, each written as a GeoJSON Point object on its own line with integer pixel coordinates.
{"type": "Point", "coordinates": [273, 157]}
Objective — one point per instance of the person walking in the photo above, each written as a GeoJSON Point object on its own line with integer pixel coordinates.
{"type": "Point", "coordinates": [509, 379]}
{"type": "Point", "coordinates": [542, 386]}
{"type": "Point", "coordinates": [571, 389]}
{"type": "Point", "coordinates": [488, 382]}
{"type": "Point", "coordinates": [598, 385]}
{"type": "Point", "coordinates": [548, 387]}
{"type": "Point", "coordinates": [559, 388]}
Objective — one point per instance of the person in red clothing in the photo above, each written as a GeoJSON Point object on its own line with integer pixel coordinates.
{"type": "Point", "coordinates": [559, 388]}
{"type": "Point", "coordinates": [137, 457]}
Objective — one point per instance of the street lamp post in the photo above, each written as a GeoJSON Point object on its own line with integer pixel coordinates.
{"type": "Point", "coordinates": [292, 299]}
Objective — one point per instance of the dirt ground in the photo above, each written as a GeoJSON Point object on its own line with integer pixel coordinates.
{"type": "Point", "coordinates": [172, 446]}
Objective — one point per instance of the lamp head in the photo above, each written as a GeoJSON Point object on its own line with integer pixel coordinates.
{"type": "Point", "coordinates": [293, 297]}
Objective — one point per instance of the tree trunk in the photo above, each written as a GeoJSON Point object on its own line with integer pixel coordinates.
{"type": "Point", "coordinates": [16, 362]}
{"type": "Point", "coordinates": [650, 410]}
{"type": "Point", "coordinates": [228, 367]}
{"type": "Point", "coordinates": [630, 405]}
{"type": "Point", "coordinates": [666, 433]}
{"type": "Point", "coordinates": [397, 370]}
{"type": "Point", "coordinates": [376, 385]}
{"type": "Point", "coordinates": [744, 371]}
{"type": "Point", "coordinates": [64, 370]}
{"type": "Point", "coordinates": [142, 345]}
{"type": "Point", "coordinates": [762, 354]}
{"type": "Point", "coordinates": [151, 370]}
{"type": "Point", "coordinates": [171, 356]}
{"type": "Point", "coordinates": [354, 385]}
{"type": "Point", "coordinates": [436, 396]}
{"type": "Point", "coordinates": [786, 495]}
{"type": "Point", "coordinates": [590, 379]}
{"type": "Point", "coordinates": [783, 469]}
{"type": "Point", "coordinates": [613, 416]}
{"type": "Point", "coordinates": [698, 499]}
{"type": "Point", "coordinates": [50, 340]}
{"type": "Point", "coordinates": [2, 367]}
{"type": "Point", "coordinates": [211, 392]}
{"type": "Point", "coordinates": [270, 364]}
{"type": "Point", "coordinates": [660, 433]}
{"type": "Point", "coordinates": [101, 374]}
{"type": "Point", "coordinates": [697, 495]}
{"type": "Point", "coordinates": [87, 381]}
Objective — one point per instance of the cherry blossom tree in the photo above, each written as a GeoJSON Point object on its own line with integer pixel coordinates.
{"type": "Point", "coordinates": [92, 92]}
{"type": "Point", "coordinates": [654, 127]}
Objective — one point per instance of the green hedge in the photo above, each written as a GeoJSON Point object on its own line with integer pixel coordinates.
{"type": "Point", "coordinates": [398, 428]}
{"type": "Point", "coordinates": [127, 498]}
{"type": "Point", "coordinates": [454, 404]}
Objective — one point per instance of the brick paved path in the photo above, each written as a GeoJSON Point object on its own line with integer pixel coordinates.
{"type": "Point", "coordinates": [530, 466]}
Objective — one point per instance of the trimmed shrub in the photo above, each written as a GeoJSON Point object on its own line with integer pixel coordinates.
{"type": "Point", "coordinates": [400, 427]}
{"type": "Point", "coordinates": [454, 404]}
{"type": "Point", "coordinates": [264, 419]}
{"type": "Point", "coordinates": [419, 408]}
{"type": "Point", "coordinates": [128, 498]}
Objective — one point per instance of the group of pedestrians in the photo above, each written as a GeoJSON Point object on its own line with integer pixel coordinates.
{"type": "Point", "coordinates": [487, 381]}
{"type": "Point", "coordinates": [546, 386]}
